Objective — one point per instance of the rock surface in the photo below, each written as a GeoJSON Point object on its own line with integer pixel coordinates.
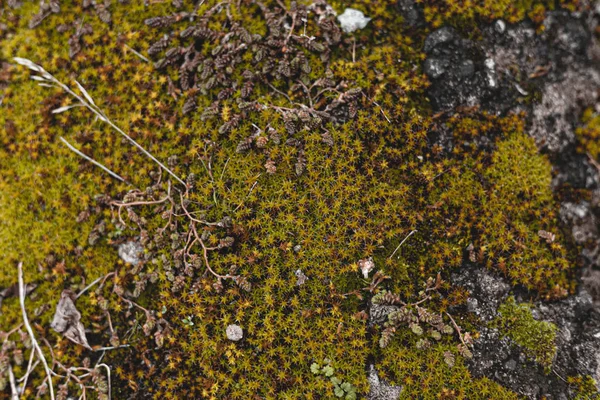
{"type": "Point", "coordinates": [381, 390]}
{"type": "Point", "coordinates": [499, 358]}
{"type": "Point", "coordinates": [131, 252]}
{"type": "Point", "coordinates": [512, 65]}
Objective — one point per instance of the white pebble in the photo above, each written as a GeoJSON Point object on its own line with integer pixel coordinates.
{"type": "Point", "coordinates": [234, 333]}
{"type": "Point", "coordinates": [352, 20]}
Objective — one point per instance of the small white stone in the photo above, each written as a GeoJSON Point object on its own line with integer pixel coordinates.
{"type": "Point", "coordinates": [234, 333]}
{"type": "Point", "coordinates": [500, 26]}
{"type": "Point", "coordinates": [352, 20]}
{"type": "Point", "coordinates": [491, 80]}
{"type": "Point", "coordinates": [130, 252]}
{"type": "Point", "coordinates": [300, 277]}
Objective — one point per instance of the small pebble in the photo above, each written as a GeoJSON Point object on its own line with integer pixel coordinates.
{"type": "Point", "coordinates": [130, 252]}
{"type": "Point", "coordinates": [234, 333]}
{"type": "Point", "coordinates": [352, 20]}
{"type": "Point", "coordinates": [500, 26]}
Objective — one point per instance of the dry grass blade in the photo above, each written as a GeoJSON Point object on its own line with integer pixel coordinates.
{"type": "Point", "coordinates": [13, 386]}
{"type": "Point", "coordinates": [47, 77]}
{"type": "Point", "coordinates": [79, 153]}
{"type": "Point", "coordinates": [109, 380]}
{"type": "Point", "coordinates": [137, 54]}
{"type": "Point", "coordinates": [34, 342]}
{"type": "Point", "coordinates": [402, 242]}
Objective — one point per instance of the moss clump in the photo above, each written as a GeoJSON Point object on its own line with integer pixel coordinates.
{"type": "Point", "coordinates": [496, 207]}
{"type": "Point", "coordinates": [427, 374]}
{"type": "Point", "coordinates": [467, 14]}
{"type": "Point", "coordinates": [585, 387]}
{"type": "Point", "coordinates": [537, 338]}
{"type": "Point", "coordinates": [589, 134]}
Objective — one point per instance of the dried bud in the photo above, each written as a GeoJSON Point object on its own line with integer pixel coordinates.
{"type": "Point", "coordinates": [242, 282]}
{"type": "Point", "coordinates": [270, 166]}
{"type": "Point", "coordinates": [366, 266]}
{"type": "Point", "coordinates": [261, 142]}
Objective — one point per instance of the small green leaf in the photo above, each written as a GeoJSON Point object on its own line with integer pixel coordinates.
{"type": "Point", "coordinates": [447, 329]}
{"type": "Point", "coordinates": [417, 330]}
{"type": "Point", "coordinates": [338, 392]}
{"type": "Point", "coordinates": [328, 370]}
{"type": "Point", "coordinates": [335, 380]}
{"type": "Point", "coordinates": [315, 369]}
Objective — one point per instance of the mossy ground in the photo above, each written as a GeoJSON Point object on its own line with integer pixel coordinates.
{"type": "Point", "coordinates": [538, 337]}
{"type": "Point", "coordinates": [380, 180]}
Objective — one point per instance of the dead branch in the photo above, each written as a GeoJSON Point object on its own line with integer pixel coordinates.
{"type": "Point", "coordinates": [460, 336]}
{"type": "Point", "coordinates": [101, 278]}
{"type": "Point", "coordinates": [13, 386]}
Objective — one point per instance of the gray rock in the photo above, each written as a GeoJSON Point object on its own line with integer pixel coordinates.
{"type": "Point", "coordinates": [131, 252]}
{"type": "Point", "coordinates": [574, 169]}
{"type": "Point", "coordinates": [466, 68]}
{"type": "Point", "coordinates": [575, 213]}
{"type": "Point", "coordinates": [487, 290]}
{"type": "Point", "coordinates": [500, 26]}
{"type": "Point", "coordinates": [577, 342]}
{"type": "Point", "coordinates": [381, 390]}
{"type": "Point", "coordinates": [553, 125]}
{"type": "Point", "coordinates": [441, 36]}
{"type": "Point", "coordinates": [510, 364]}
{"type": "Point", "coordinates": [583, 222]}
{"type": "Point", "coordinates": [591, 282]}
{"type": "Point", "coordinates": [412, 13]}
{"type": "Point", "coordinates": [460, 72]}
{"type": "Point", "coordinates": [435, 67]}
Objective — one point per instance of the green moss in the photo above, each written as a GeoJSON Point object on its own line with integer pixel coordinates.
{"type": "Point", "coordinates": [585, 387]}
{"type": "Point", "coordinates": [424, 374]}
{"type": "Point", "coordinates": [537, 338]}
{"type": "Point", "coordinates": [467, 14]}
{"type": "Point", "coordinates": [358, 198]}
{"type": "Point", "coordinates": [492, 203]}
{"type": "Point", "coordinates": [589, 135]}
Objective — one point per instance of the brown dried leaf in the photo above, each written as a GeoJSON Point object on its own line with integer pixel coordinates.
{"type": "Point", "coordinates": [67, 320]}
